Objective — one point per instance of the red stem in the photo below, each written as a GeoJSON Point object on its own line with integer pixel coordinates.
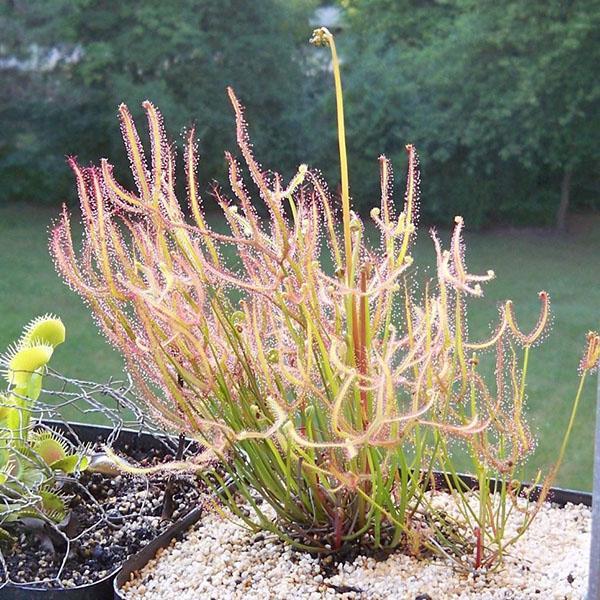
{"type": "Point", "coordinates": [478, 548]}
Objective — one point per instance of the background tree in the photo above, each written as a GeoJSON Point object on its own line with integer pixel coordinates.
{"type": "Point", "coordinates": [524, 90]}
{"type": "Point", "coordinates": [499, 97]}
{"type": "Point", "coordinates": [180, 54]}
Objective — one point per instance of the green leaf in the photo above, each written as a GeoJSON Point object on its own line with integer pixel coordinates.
{"type": "Point", "coordinates": [5, 536]}
{"type": "Point", "coordinates": [47, 330]}
{"type": "Point", "coordinates": [25, 362]}
{"type": "Point", "coordinates": [53, 505]}
{"type": "Point", "coordinates": [48, 446]}
{"type": "Point", "coordinates": [70, 464]}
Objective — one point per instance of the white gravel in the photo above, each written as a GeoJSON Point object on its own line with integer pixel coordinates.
{"type": "Point", "coordinates": [220, 560]}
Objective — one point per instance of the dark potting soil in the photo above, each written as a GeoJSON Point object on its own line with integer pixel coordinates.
{"type": "Point", "coordinates": [111, 518]}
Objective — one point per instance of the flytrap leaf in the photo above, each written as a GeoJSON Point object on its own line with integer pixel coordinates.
{"type": "Point", "coordinates": [48, 330]}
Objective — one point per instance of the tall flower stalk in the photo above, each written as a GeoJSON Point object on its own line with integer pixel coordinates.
{"type": "Point", "coordinates": [329, 395]}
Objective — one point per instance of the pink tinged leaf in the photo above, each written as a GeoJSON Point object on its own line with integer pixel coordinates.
{"type": "Point", "coordinates": [135, 153]}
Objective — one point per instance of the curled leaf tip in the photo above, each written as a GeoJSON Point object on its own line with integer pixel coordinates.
{"type": "Point", "coordinates": [591, 356]}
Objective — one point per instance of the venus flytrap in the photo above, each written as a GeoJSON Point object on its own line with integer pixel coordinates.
{"type": "Point", "coordinates": [331, 396]}
{"type": "Point", "coordinates": [24, 364]}
{"type": "Point", "coordinates": [31, 458]}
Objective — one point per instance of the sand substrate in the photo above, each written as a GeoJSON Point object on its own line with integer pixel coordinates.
{"type": "Point", "coordinates": [218, 559]}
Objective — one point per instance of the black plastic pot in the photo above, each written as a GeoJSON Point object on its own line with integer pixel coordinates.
{"type": "Point", "coordinates": [559, 496]}
{"type": "Point", "coordinates": [102, 589]}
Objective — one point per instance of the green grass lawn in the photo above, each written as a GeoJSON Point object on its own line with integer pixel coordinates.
{"type": "Point", "coordinates": [568, 267]}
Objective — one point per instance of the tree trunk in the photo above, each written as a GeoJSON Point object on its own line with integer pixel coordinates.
{"type": "Point", "coordinates": [565, 195]}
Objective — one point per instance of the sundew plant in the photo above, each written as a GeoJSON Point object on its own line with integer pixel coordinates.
{"type": "Point", "coordinates": [329, 395]}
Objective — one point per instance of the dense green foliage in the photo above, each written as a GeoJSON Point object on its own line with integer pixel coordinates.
{"type": "Point", "coordinates": [179, 54]}
{"type": "Point", "coordinates": [500, 98]}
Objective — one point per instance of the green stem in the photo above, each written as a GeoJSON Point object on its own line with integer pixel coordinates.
{"type": "Point", "coordinates": [323, 36]}
{"type": "Point", "coordinates": [567, 435]}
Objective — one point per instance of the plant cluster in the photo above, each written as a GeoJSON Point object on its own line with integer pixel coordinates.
{"type": "Point", "coordinates": [31, 456]}
{"type": "Point", "coordinates": [327, 382]}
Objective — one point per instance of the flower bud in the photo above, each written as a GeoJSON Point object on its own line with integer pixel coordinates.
{"type": "Point", "coordinates": [321, 37]}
